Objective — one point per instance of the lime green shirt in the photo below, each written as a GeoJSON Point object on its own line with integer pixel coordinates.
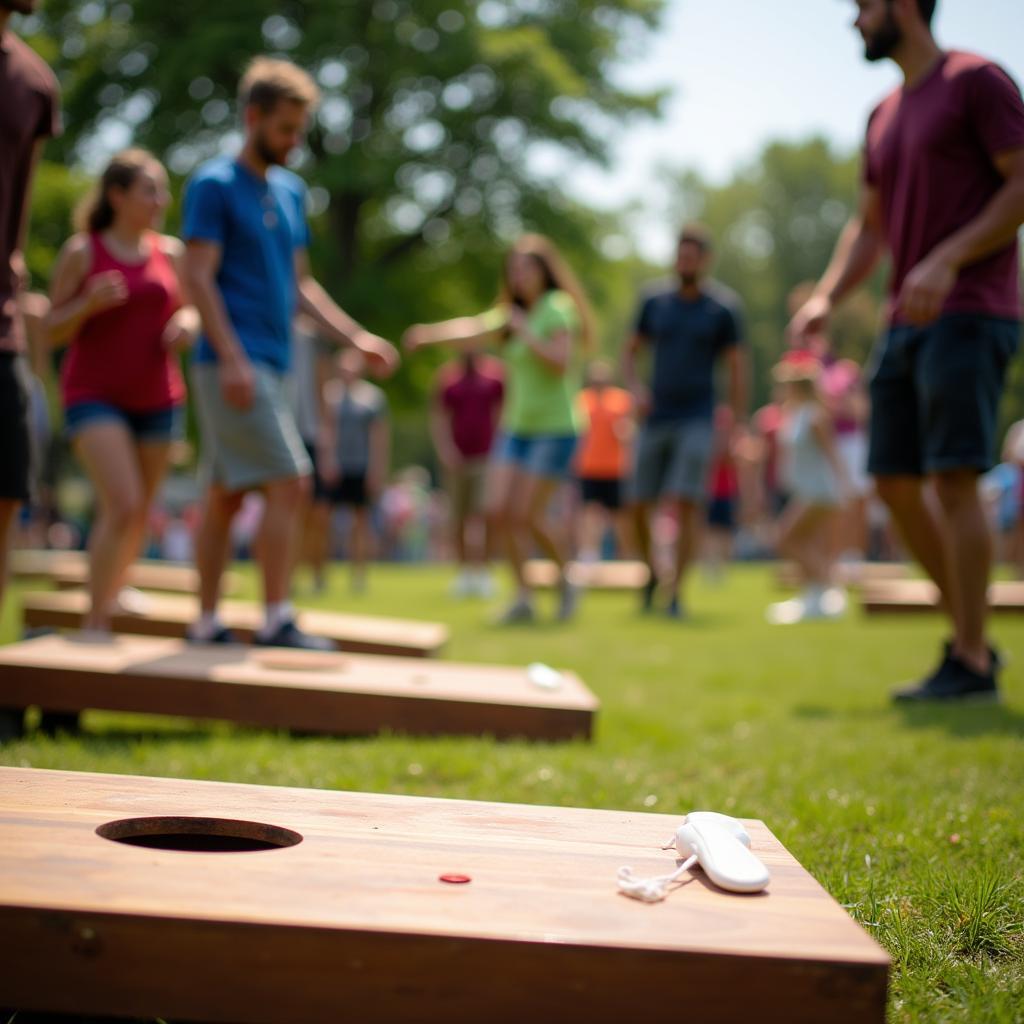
{"type": "Point", "coordinates": [538, 398]}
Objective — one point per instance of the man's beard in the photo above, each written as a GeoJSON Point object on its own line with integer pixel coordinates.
{"type": "Point", "coordinates": [884, 41]}
{"type": "Point", "coordinates": [689, 280]}
{"type": "Point", "coordinates": [267, 154]}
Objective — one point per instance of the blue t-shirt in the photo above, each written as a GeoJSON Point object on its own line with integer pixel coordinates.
{"type": "Point", "coordinates": [687, 338]}
{"type": "Point", "coordinates": [259, 223]}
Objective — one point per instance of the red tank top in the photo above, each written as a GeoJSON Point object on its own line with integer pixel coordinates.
{"type": "Point", "coordinates": [118, 356]}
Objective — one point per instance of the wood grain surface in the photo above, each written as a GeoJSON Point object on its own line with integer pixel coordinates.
{"type": "Point", "coordinates": [172, 614]}
{"type": "Point", "coordinates": [916, 596]}
{"type": "Point", "coordinates": [592, 575]}
{"type": "Point", "coordinates": [302, 690]}
{"type": "Point", "coordinates": [353, 924]}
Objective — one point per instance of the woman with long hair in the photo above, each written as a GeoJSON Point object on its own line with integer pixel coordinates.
{"type": "Point", "coordinates": [541, 321]}
{"type": "Point", "coordinates": [117, 300]}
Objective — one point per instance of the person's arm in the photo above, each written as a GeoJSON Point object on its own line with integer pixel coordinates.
{"type": "Point", "coordinates": [335, 324]}
{"type": "Point", "coordinates": [856, 255]}
{"type": "Point", "coordinates": [202, 261]}
{"type": "Point", "coordinates": [182, 329]}
{"type": "Point", "coordinates": [327, 437]}
{"type": "Point", "coordinates": [466, 333]}
{"type": "Point", "coordinates": [18, 255]}
{"type": "Point", "coordinates": [71, 304]}
{"type": "Point", "coordinates": [380, 454]}
{"type": "Point", "coordinates": [630, 377]}
{"type": "Point", "coordinates": [554, 352]}
{"type": "Point", "coordinates": [927, 286]}
{"type": "Point", "coordinates": [441, 431]}
{"type": "Point", "coordinates": [737, 363]}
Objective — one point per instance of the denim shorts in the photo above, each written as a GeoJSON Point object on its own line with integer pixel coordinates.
{"type": "Point", "coordinates": [152, 426]}
{"type": "Point", "coordinates": [544, 455]}
{"type": "Point", "coordinates": [935, 394]}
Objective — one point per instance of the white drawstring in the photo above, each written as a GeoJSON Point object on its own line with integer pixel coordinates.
{"type": "Point", "coordinates": [651, 890]}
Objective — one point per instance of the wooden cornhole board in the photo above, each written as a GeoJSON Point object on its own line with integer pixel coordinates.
{"type": "Point", "coordinates": [303, 690]}
{"type": "Point", "coordinates": [915, 596]}
{"type": "Point", "coordinates": [355, 923]}
{"type": "Point", "coordinates": [591, 575]}
{"type": "Point", "coordinates": [172, 614]}
{"type": "Point", "coordinates": [848, 574]}
{"type": "Point", "coordinates": [71, 569]}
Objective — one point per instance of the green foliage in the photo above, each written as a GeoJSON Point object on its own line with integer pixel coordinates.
{"type": "Point", "coordinates": [910, 817]}
{"type": "Point", "coordinates": [776, 222]}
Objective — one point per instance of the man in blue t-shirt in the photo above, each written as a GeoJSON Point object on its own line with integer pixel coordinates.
{"type": "Point", "coordinates": [689, 328]}
{"type": "Point", "coordinates": [248, 272]}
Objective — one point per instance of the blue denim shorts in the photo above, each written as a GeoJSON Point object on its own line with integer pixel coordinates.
{"type": "Point", "coordinates": [153, 426]}
{"type": "Point", "coordinates": [543, 455]}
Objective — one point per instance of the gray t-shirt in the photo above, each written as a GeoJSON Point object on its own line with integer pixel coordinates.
{"type": "Point", "coordinates": [687, 338]}
{"type": "Point", "coordinates": [354, 410]}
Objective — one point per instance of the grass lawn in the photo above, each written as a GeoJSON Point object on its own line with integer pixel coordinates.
{"type": "Point", "coordinates": [912, 818]}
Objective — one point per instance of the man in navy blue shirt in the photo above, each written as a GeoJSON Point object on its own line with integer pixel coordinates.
{"type": "Point", "coordinates": [248, 273]}
{"type": "Point", "coordinates": [689, 328]}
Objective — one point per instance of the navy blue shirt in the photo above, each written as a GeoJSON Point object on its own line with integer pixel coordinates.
{"type": "Point", "coordinates": [259, 223]}
{"type": "Point", "coordinates": [687, 338]}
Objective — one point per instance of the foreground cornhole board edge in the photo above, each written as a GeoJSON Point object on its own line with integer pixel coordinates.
{"type": "Point", "coordinates": [348, 695]}
{"type": "Point", "coordinates": [355, 914]}
{"type": "Point", "coordinates": [914, 597]}
{"type": "Point", "coordinates": [855, 574]}
{"type": "Point", "coordinates": [171, 615]}
{"type": "Point", "coordinates": [67, 569]}
{"type": "Point", "coordinates": [604, 575]}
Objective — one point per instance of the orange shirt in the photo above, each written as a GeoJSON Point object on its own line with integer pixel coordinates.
{"type": "Point", "coordinates": [603, 454]}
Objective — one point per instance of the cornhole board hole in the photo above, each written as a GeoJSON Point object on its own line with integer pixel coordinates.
{"type": "Point", "coordinates": [71, 569]}
{"type": "Point", "coordinates": [335, 906]}
{"type": "Point", "coordinates": [848, 574]}
{"type": "Point", "coordinates": [591, 575]}
{"type": "Point", "coordinates": [916, 596]}
{"type": "Point", "coordinates": [311, 691]}
{"type": "Point", "coordinates": [172, 614]}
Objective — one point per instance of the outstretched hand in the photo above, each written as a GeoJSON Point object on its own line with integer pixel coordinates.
{"type": "Point", "coordinates": [809, 320]}
{"type": "Point", "coordinates": [382, 357]}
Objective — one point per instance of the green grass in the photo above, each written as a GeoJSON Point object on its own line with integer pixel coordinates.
{"type": "Point", "coordinates": [912, 818]}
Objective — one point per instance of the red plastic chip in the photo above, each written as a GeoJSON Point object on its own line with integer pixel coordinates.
{"type": "Point", "coordinates": [454, 879]}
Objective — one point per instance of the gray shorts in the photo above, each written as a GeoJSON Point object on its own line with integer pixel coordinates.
{"type": "Point", "coordinates": [243, 449]}
{"type": "Point", "coordinates": [672, 460]}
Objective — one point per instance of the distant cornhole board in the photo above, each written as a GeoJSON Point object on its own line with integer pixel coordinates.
{"type": "Point", "coordinates": [121, 896]}
{"type": "Point", "coordinates": [171, 615]}
{"type": "Point", "coordinates": [310, 691]}
{"type": "Point", "coordinates": [848, 574]}
{"type": "Point", "coordinates": [592, 575]}
{"type": "Point", "coordinates": [916, 596]}
{"type": "Point", "coordinates": [71, 569]}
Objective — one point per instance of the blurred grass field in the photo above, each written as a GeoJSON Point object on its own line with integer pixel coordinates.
{"type": "Point", "coordinates": [913, 818]}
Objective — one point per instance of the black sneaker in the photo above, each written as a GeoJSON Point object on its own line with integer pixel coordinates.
{"type": "Point", "coordinates": [222, 636]}
{"type": "Point", "coordinates": [647, 592]}
{"type": "Point", "coordinates": [288, 634]}
{"type": "Point", "coordinates": [953, 681]}
{"type": "Point", "coordinates": [676, 610]}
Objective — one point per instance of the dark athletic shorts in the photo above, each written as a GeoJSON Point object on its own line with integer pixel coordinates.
{"type": "Point", "coordinates": [602, 492]}
{"type": "Point", "coordinates": [935, 394]}
{"type": "Point", "coordinates": [722, 513]}
{"type": "Point", "coordinates": [15, 428]}
{"type": "Point", "coordinates": [350, 490]}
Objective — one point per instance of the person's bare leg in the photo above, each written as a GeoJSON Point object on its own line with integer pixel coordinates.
{"type": "Point", "coordinates": [641, 515]}
{"type": "Point", "coordinates": [107, 452]}
{"type": "Point", "coordinates": [8, 514]}
{"type": "Point", "coordinates": [360, 546]}
{"type": "Point", "coordinates": [213, 542]}
{"type": "Point", "coordinates": [502, 478]}
{"type": "Point", "coordinates": [917, 521]}
{"type": "Point", "coordinates": [969, 559]}
{"type": "Point", "coordinates": [278, 535]}
{"type": "Point", "coordinates": [316, 540]}
{"type": "Point", "coordinates": [690, 527]}
{"type": "Point", "coordinates": [532, 499]}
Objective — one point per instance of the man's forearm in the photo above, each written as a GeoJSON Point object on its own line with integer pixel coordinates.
{"type": "Point", "coordinates": [207, 299]}
{"type": "Point", "coordinates": [856, 254]}
{"type": "Point", "coordinates": [739, 385]}
{"type": "Point", "coordinates": [328, 315]}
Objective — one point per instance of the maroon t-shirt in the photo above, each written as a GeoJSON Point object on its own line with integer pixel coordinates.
{"type": "Point", "coordinates": [929, 153]}
{"type": "Point", "coordinates": [473, 400]}
{"type": "Point", "coordinates": [29, 111]}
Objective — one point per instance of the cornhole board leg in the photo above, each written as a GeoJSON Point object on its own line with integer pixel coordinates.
{"type": "Point", "coordinates": [345, 908]}
{"type": "Point", "coordinates": [309, 691]}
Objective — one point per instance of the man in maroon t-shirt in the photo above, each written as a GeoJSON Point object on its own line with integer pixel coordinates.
{"type": "Point", "coordinates": [464, 415]}
{"type": "Point", "coordinates": [943, 192]}
{"type": "Point", "coordinates": [29, 114]}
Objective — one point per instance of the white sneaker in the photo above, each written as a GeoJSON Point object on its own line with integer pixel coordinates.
{"type": "Point", "coordinates": [484, 584]}
{"type": "Point", "coordinates": [464, 585]}
{"type": "Point", "coordinates": [833, 603]}
{"type": "Point", "coordinates": [786, 613]}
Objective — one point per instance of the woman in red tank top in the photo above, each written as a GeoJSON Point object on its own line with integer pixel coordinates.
{"type": "Point", "coordinates": [117, 298]}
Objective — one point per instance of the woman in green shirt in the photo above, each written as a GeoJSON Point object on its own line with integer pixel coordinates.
{"type": "Point", "coordinates": [540, 322]}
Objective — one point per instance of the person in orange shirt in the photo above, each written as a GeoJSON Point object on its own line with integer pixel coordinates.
{"type": "Point", "coordinates": [603, 460]}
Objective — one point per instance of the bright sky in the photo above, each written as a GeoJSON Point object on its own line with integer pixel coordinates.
{"type": "Point", "coordinates": [747, 71]}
